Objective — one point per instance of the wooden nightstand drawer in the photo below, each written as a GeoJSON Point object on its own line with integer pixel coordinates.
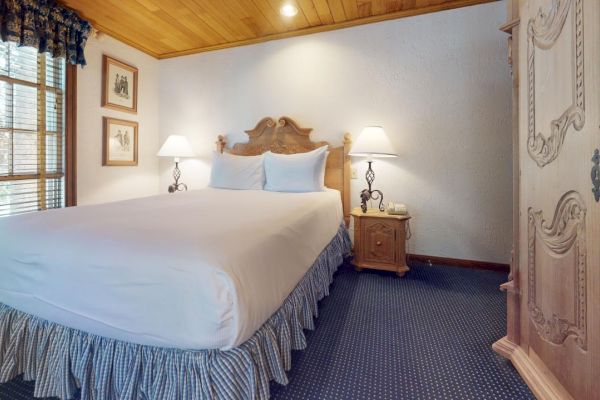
{"type": "Point", "coordinates": [379, 239]}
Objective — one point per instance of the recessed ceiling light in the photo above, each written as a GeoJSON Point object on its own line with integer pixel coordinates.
{"type": "Point", "coordinates": [288, 10]}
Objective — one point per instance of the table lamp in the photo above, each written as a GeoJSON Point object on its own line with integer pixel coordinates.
{"type": "Point", "coordinates": [176, 146]}
{"type": "Point", "coordinates": [372, 142]}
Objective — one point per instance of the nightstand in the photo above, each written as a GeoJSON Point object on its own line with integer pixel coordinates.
{"type": "Point", "coordinates": [380, 241]}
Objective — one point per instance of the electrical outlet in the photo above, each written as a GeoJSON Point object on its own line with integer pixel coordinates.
{"type": "Point", "coordinates": [353, 174]}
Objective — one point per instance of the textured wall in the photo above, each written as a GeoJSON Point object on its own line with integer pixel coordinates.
{"type": "Point", "coordinates": [95, 183]}
{"type": "Point", "coordinates": [438, 83]}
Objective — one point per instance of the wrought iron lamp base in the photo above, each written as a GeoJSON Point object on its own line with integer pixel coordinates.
{"type": "Point", "coordinates": [175, 187]}
{"type": "Point", "coordinates": [370, 194]}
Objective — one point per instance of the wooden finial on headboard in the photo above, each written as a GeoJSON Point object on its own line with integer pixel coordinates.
{"type": "Point", "coordinates": [221, 143]}
{"type": "Point", "coordinates": [348, 140]}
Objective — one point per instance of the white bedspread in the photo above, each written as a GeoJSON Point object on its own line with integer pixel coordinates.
{"type": "Point", "coordinates": [196, 270]}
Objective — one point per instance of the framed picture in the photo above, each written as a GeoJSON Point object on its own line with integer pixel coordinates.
{"type": "Point", "coordinates": [119, 85]}
{"type": "Point", "coordinates": [119, 142]}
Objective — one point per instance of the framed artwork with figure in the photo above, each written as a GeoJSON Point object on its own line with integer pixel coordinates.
{"type": "Point", "coordinates": [119, 85]}
{"type": "Point", "coordinates": [119, 142]}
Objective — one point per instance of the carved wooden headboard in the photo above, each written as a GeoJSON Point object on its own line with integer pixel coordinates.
{"type": "Point", "coordinates": [286, 137]}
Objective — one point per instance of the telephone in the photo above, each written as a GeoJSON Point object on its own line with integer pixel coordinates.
{"type": "Point", "coordinates": [396, 209]}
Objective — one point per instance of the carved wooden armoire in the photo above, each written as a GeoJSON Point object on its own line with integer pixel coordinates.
{"type": "Point", "coordinates": [553, 293]}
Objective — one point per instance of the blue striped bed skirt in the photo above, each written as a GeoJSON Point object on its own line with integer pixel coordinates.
{"type": "Point", "coordinates": [61, 359]}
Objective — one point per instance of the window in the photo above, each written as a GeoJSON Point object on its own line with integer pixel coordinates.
{"type": "Point", "coordinates": [32, 130]}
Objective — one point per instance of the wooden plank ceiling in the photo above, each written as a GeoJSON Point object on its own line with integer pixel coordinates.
{"type": "Point", "coordinates": [171, 28]}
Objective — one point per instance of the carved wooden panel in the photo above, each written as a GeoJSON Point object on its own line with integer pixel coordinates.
{"type": "Point", "coordinates": [564, 237]}
{"type": "Point", "coordinates": [542, 33]}
{"type": "Point", "coordinates": [283, 136]}
{"type": "Point", "coordinates": [380, 240]}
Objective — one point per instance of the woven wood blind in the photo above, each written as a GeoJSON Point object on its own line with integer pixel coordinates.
{"type": "Point", "coordinates": [31, 130]}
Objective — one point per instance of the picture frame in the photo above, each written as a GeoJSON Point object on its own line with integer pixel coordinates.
{"type": "Point", "coordinates": [119, 85]}
{"type": "Point", "coordinates": [119, 142]}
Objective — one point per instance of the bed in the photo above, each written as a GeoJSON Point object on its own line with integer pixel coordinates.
{"type": "Point", "coordinates": [199, 295]}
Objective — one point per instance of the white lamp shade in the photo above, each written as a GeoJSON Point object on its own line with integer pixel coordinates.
{"type": "Point", "coordinates": [176, 146]}
{"type": "Point", "coordinates": [373, 142]}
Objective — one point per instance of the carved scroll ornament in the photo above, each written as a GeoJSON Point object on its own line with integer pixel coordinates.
{"type": "Point", "coordinates": [284, 136]}
{"type": "Point", "coordinates": [543, 32]}
{"type": "Point", "coordinates": [566, 232]}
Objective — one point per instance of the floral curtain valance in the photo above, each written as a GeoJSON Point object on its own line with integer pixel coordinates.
{"type": "Point", "coordinates": [45, 25]}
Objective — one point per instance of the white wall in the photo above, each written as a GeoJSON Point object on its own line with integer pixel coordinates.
{"type": "Point", "coordinates": [438, 83]}
{"type": "Point", "coordinates": [95, 183]}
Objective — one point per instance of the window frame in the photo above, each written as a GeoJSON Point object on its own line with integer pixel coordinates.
{"type": "Point", "coordinates": [69, 157]}
{"type": "Point", "coordinates": [71, 136]}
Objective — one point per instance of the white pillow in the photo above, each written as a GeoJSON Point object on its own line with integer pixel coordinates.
{"type": "Point", "coordinates": [301, 172]}
{"type": "Point", "coordinates": [237, 172]}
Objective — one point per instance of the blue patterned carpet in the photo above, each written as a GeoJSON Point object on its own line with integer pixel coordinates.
{"type": "Point", "coordinates": [425, 336]}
